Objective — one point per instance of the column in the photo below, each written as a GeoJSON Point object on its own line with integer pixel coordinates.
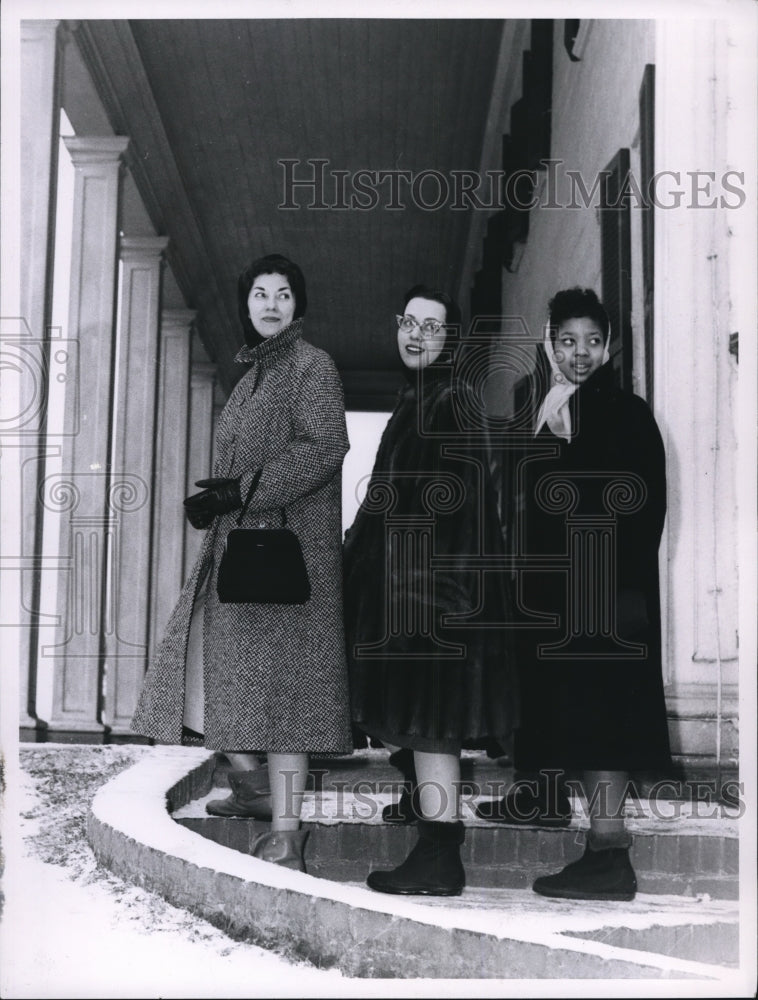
{"type": "Point", "coordinates": [692, 397]}
{"type": "Point", "coordinates": [81, 494]}
{"type": "Point", "coordinates": [202, 379]}
{"type": "Point", "coordinates": [170, 467]}
{"type": "Point", "coordinates": [40, 101]}
{"type": "Point", "coordinates": [126, 640]}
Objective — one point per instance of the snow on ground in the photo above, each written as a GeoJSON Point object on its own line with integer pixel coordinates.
{"type": "Point", "coordinates": [72, 929]}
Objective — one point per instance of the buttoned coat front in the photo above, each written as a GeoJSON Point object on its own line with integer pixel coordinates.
{"type": "Point", "coordinates": [274, 675]}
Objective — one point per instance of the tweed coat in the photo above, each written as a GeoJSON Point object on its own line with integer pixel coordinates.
{"type": "Point", "coordinates": [597, 711]}
{"type": "Point", "coordinates": [275, 677]}
{"type": "Point", "coordinates": [406, 689]}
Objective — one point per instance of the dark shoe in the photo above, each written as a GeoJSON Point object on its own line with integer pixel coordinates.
{"type": "Point", "coordinates": [402, 759]}
{"type": "Point", "coordinates": [433, 868]}
{"type": "Point", "coordinates": [547, 805]}
{"type": "Point", "coordinates": [603, 874]}
{"type": "Point", "coordinates": [282, 847]}
{"type": "Point", "coordinates": [407, 809]}
{"type": "Point", "coordinates": [251, 796]}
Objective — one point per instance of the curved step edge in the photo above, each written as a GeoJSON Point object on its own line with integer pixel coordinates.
{"type": "Point", "coordinates": [331, 925]}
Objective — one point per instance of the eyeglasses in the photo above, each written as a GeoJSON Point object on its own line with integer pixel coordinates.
{"type": "Point", "coordinates": [428, 328]}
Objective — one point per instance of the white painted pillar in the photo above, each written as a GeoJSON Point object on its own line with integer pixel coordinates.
{"type": "Point", "coordinates": [81, 493]}
{"type": "Point", "coordinates": [40, 102]}
{"type": "Point", "coordinates": [170, 467]}
{"type": "Point", "coordinates": [693, 396]}
{"type": "Point", "coordinates": [202, 379]}
{"type": "Point", "coordinates": [126, 642]}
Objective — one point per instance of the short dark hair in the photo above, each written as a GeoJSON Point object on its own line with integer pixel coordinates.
{"type": "Point", "coordinates": [573, 303]}
{"type": "Point", "coordinates": [273, 263]}
{"type": "Point", "coordinates": [452, 310]}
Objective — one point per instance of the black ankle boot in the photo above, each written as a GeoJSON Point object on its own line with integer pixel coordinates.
{"type": "Point", "coordinates": [548, 806]}
{"type": "Point", "coordinates": [604, 873]}
{"type": "Point", "coordinates": [433, 868]}
{"type": "Point", "coordinates": [407, 809]}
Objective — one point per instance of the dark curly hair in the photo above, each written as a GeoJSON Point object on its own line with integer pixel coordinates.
{"type": "Point", "coordinates": [272, 263]}
{"type": "Point", "coordinates": [452, 311]}
{"type": "Point", "coordinates": [573, 303]}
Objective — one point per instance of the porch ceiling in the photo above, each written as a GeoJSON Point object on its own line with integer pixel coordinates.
{"type": "Point", "coordinates": [212, 106]}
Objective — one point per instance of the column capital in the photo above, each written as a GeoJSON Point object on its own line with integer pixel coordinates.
{"type": "Point", "coordinates": [33, 31]}
{"type": "Point", "coordinates": [95, 149]}
{"type": "Point", "coordinates": [202, 371]}
{"type": "Point", "coordinates": [177, 319]}
{"type": "Point", "coordinates": [142, 248]}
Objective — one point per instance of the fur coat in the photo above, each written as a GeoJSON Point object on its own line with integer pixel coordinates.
{"type": "Point", "coordinates": [429, 658]}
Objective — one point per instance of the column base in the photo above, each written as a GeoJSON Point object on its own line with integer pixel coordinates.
{"type": "Point", "coordinates": [701, 741]}
{"type": "Point", "coordinates": [92, 733]}
{"type": "Point", "coordinates": [123, 736]}
{"type": "Point", "coordinates": [31, 730]}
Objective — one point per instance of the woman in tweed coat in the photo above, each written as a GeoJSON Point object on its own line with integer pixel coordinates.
{"type": "Point", "coordinates": [256, 678]}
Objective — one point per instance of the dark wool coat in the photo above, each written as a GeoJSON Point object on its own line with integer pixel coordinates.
{"type": "Point", "coordinates": [404, 689]}
{"type": "Point", "coordinates": [594, 709]}
{"type": "Point", "coordinates": [275, 675]}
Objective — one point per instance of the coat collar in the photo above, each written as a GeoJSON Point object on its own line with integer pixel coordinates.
{"type": "Point", "coordinates": [601, 380]}
{"type": "Point", "coordinates": [273, 347]}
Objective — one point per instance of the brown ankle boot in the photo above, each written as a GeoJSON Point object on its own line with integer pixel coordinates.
{"type": "Point", "coordinates": [282, 847]}
{"type": "Point", "coordinates": [251, 796]}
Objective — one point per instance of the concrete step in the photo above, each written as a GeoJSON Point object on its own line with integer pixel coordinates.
{"type": "Point", "coordinates": [680, 847]}
{"type": "Point", "coordinates": [139, 828]}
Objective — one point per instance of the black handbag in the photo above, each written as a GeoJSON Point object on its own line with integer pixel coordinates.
{"type": "Point", "coordinates": [262, 565]}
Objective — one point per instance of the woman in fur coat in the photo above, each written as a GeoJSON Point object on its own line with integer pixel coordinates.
{"type": "Point", "coordinates": [264, 678]}
{"type": "Point", "coordinates": [429, 665]}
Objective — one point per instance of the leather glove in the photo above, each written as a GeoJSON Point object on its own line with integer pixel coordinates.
{"type": "Point", "coordinates": [218, 497]}
{"type": "Point", "coordinates": [197, 518]}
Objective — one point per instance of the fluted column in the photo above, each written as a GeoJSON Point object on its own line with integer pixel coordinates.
{"type": "Point", "coordinates": [202, 379]}
{"type": "Point", "coordinates": [170, 467]}
{"type": "Point", "coordinates": [40, 102]}
{"type": "Point", "coordinates": [82, 492]}
{"type": "Point", "coordinates": [126, 643]}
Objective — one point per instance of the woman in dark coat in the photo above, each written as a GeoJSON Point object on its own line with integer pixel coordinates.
{"type": "Point", "coordinates": [429, 666]}
{"type": "Point", "coordinates": [591, 684]}
{"type": "Point", "coordinates": [265, 678]}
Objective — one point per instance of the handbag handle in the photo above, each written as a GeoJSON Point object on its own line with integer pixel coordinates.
{"type": "Point", "coordinates": [249, 497]}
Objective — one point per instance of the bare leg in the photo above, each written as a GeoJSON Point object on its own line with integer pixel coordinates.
{"type": "Point", "coordinates": [288, 774]}
{"type": "Point", "coordinates": [439, 776]}
{"type": "Point", "coordinates": [433, 866]}
{"type": "Point", "coordinates": [605, 791]}
{"type": "Point", "coordinates": [604, 871]}
{"type": "Point", "coordinates": [243, 761]}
